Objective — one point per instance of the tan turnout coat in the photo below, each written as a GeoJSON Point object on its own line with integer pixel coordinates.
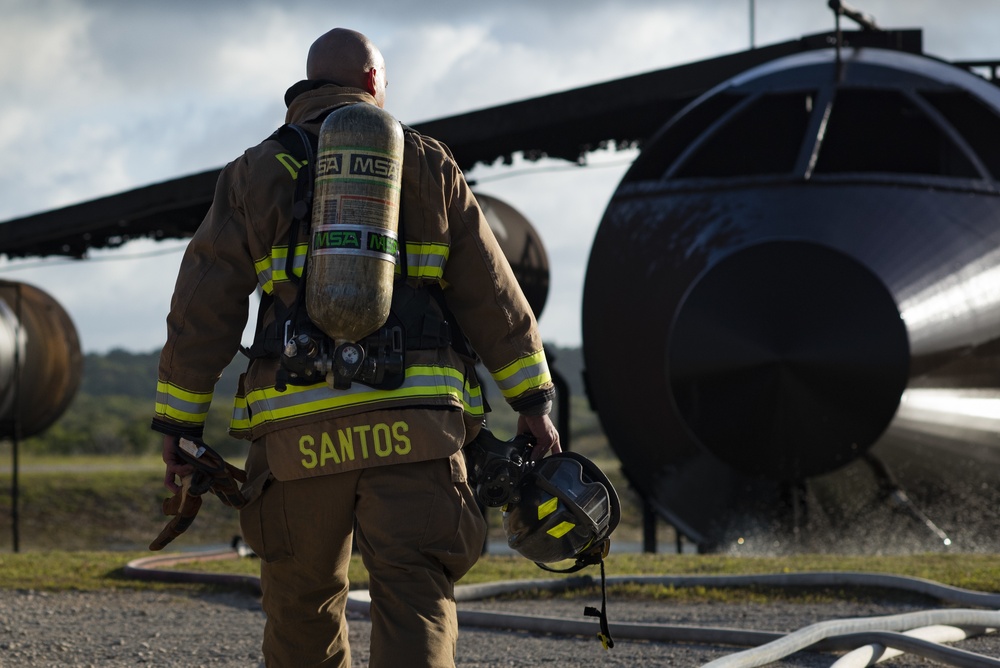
{"type": "Point", "coordinates": [314, 430]}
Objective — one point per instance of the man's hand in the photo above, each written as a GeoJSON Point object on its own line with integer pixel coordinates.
{"type": "Point", "coordinates": [176, 467]}
{"type": "Point", "coordinates": [546, 436]}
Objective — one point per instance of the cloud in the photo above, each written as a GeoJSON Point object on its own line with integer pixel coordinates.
{"type": "Point", "coordinates": [100, 96]}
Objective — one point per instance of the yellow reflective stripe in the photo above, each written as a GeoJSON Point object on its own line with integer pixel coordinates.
{"type": "Point", "coordinates": [241, 415]}
{"type": "Point", "coordinates": [422, 381]}
{"type": "Point", "coordinates": [291, 164]}
{"type": "Point", "coordinates": [547, 508]}
{"type": "Point", "coordinates": [522, 375]}
{"type": "Point", "coordinates": [472, 400]}
{"type": "Point", "coordinates": [263, 269]}
{"type": "Point", "coordinates": [182, 405]}
{"type": "Point", "coordinates": [272, 269]}
{"type": "Point", "coordinates": [426, 260]}
{"type": "Point", "coordinates": [561, 529]}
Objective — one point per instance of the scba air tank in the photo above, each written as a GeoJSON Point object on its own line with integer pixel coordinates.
{"type": "Point", "coordinates": [353, 240]}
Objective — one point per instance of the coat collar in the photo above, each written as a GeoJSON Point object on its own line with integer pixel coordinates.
{"type": "Point", "coordinates": [309, 98]}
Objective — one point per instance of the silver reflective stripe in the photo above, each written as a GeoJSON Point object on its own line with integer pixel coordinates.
{"type": "Point", "coordinates": [343, 239]}
{"type": "Point", "coordinates": [272, 268]}
{"type": "Point", "coordinates": [527, 373]}
{"type": "Point", "coordinates": [181, 405]}
{"type": "Point", "coordinates": [422, 381]}
{"type": "Point", "coordinates": [426, 260]}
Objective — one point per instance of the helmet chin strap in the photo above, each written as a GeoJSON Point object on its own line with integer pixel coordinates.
{"type": "Point", "coordinates": [591, 556]}
{"type": "Point", "coordinates": [589, 611]}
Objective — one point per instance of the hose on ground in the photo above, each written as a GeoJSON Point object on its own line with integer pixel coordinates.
{"type": "Point", "coordinates": [873, 653]}
{"type": "Point", "coordinates": [859, 631]}
{"type": "Point", "coordinates": [767, 647]}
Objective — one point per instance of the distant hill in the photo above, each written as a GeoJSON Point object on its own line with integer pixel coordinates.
{"type": "Point", "coordinates": [120, 372]}
{"type": "Point", "coordinates": [111, 411]}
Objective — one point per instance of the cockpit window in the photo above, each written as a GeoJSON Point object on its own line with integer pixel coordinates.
{"type": "Point", "coordinates": [764, 138]}
{"type": "Point", "coordinates": [978, 124]}
{"type": "Point", "coordinates": [884, 131]}
{"type": "Point", "coordinates": [661, 154]}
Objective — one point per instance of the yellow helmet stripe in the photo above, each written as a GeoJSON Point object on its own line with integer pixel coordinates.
{"type": "Point", "coordinates": [547, 508]}
{"type": "Point", "coordinates": [561, 529]}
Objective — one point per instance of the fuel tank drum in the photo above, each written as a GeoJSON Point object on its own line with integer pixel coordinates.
{"type": "Point", "coordinates": [38, 338]}
{"type": "Point", "coordinates": [788, 260]}
{"type": "Point", "coordinates": [354, 236]}
{"type": "Point", "coordinates": [522, 246]}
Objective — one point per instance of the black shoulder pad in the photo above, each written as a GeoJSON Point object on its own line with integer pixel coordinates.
{"type": "Point", "coordinates": [293, 138]}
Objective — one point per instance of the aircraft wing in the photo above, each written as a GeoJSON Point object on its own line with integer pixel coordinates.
{"type": "Point", "coordinates": [563, 125]}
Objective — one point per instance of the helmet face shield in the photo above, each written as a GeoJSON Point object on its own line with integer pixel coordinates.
{"type": "Point", "coordinates": [567, 505]}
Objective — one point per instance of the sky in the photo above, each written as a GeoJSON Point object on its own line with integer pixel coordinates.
{"type": "Point", "coordinates": [101, 96]}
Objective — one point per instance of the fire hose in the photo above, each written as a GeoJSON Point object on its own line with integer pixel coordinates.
{"type": "Point", "coordinates": [868, 637]}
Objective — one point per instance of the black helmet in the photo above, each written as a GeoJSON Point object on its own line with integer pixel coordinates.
{"type": "Point", "coordinates": [567, 509]}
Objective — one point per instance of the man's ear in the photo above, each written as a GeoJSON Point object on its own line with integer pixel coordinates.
{"type": "Point", "coordinates": [371, 81]}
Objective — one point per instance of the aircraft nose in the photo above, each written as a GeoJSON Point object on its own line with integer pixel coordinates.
{"type": "Point", "coordinates": [787, 359]}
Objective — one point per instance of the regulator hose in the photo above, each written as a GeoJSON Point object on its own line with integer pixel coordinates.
{"type": "Point", "coordinates": [837, 635]}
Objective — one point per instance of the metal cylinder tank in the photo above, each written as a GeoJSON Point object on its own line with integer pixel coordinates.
{"type": "Point", "coordinates": [522, 247]}
{"type": "Point", "coordinates": [789, 260]}
{"type": "Point", "coordinates": [40, 360]}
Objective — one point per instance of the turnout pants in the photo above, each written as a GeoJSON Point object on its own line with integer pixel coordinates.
{"type": "Point", "coordinates": [418, 530]}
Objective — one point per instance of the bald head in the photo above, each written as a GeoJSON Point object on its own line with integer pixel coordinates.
{"type": "Point", "coordinates": [350, 59]}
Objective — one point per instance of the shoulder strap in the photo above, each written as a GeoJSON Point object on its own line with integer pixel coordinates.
{"type": "Point", "coordinates": [302, 144]}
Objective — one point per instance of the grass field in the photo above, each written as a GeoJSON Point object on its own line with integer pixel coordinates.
{"type": "Point", "coordinates": [83, 519]}
{"type": "Point", "coordinates": [91, 570]}
{"type": "Point", "coordinates": [100, 503]}
{"type": "Point", "coordinates": [95, 503]}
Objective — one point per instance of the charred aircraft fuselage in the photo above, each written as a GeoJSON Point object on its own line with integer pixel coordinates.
{"type": "Point", "coordinates": [792, 288]}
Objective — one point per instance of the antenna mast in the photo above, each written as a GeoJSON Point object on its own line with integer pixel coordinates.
{"type": "Point", "coordinates": [866, 21]}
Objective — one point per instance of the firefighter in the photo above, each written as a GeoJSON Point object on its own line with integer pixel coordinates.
{"type": "Point", "coordinates": [384, 457]}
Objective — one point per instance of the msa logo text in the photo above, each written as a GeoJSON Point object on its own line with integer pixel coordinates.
{"type": "Point", "coordinates": [365, 164]}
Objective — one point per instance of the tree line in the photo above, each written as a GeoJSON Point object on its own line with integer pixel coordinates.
{"type": "Point", "coordinates": [112, 410]}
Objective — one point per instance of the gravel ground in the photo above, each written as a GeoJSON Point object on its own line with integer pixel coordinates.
{"type": "Point", "coordinates": [140, 628]}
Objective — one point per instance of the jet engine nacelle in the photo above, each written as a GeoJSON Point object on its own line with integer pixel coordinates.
{"type": "Point", "coordinates": [792, 256]}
